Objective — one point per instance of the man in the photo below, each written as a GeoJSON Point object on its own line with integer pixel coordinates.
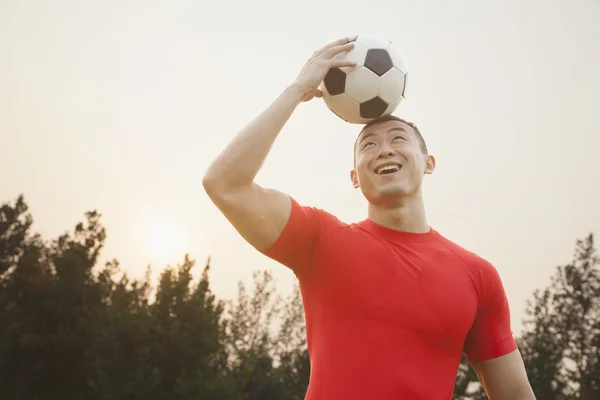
{"type": "Point", "coordinates": [390, 304]}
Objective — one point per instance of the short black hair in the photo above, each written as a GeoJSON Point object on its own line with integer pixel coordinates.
{"type": "Point", "coordinates": [389, 117]}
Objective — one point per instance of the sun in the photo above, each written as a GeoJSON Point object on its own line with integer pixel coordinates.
{"type": "Point", "coordinates": [164, 243]}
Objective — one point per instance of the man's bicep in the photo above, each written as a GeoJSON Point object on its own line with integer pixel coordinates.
{"type": "Point", "coordinates": [491, 334]}
{"type": "Point", "coordinates": [490, 346]}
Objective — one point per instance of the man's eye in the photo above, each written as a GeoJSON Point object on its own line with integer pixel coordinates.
{"type": "Point", "coordinates": [399, 137]}
{"type": "Point", "coordinates": [367, 145]}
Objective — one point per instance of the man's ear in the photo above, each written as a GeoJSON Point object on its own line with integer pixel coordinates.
{"type": "Point", "coordinates": [430, 165]}
{"type": "Point", "coordinates": [354, 179]}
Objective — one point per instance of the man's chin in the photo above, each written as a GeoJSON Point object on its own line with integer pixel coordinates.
{"type": "Point", "coordinates": [392, 190]}
{"type": "Point", "coordinates": [391, 194]}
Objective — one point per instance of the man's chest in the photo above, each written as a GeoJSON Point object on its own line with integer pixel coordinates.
{"type": "Point", "coordinates": [419, 286]}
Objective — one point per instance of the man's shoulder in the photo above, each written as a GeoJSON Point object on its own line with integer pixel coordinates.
{"type": "Point", "coordinates": [483, 272]}
{"type": "Point", "coordinates": [325, 220]}
{"type": "Point", "coordinates": [332, 231]}
{"type": "Point", "coordinates": [475, 261]}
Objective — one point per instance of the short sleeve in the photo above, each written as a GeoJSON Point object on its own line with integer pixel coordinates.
{"type": "Point", "coordinates": [491, 335]}
{"type": "Point", "coordinates": [295, 246]}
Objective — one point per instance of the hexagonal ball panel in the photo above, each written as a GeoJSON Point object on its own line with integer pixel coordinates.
{"type": "Point", "coordinates": [378, 61]}
{"type": "Point", "coordinates": [391, 85]}
{"type": "Point", "coordinates": [362, 84]}
{"type": "Point", "coordinates": [373, 108]}
{"type": "Point", "coordinates": [357, 54]}
{"type": "Point", "coordinates": [398, 58]}
{"type": "Point", "coordinates": [345, 108]}
{"type": "Point", "coordinates": [373, 41]}
{"type": "Point", "coordinates": [335, 81]}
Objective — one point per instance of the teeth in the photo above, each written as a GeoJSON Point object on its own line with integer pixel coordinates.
{"type": "Point", "coordinates": [387, 168]}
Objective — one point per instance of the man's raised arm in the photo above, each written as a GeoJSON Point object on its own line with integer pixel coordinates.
{"type": "Point", "coordinates": [260, 214]}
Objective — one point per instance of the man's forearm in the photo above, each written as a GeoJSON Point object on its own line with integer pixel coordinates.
{"type": "Point", "coordinates": [242, 159]}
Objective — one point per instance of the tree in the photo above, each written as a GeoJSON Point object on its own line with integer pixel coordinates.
{"type": "Point", "coordinates": [185, 349]}
{"type": "Point", "coordinates": [25, 274]}
{"type": "Point", "coordinates": [121, 350]}
{"type": "Point", "coordinates": [542, 346]}
{"type": "Point", "coordinates": [15, 223]}
{"type": "Point", "coordinates": [249, 339]}
{"type": "Point", "coordinates": [561, 344]}
{"type": "Point", "coordinates": [577, 299]}
{"type": "Point", "coordinates": [50, 306]}
{"type": "Point", "coordinates": [266, 342]}
{"type": "Point", "coordinates": [290, 350]}
{"type": "Point", "coordinates": [71, 333]}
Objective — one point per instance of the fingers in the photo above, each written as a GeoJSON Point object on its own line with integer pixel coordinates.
{"type": "Point", "coordinates": [340, 63]}
{"type": "Point", "coordinates": [332, 52]}
{"type": "Point", "coordinates": [308, 97]}
{"type": "Point", "coordinates": [338, 42]}
{"type": "Point", "coordinates": [314, 94]}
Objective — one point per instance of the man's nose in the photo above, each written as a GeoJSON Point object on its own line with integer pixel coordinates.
{"type": "Point", "coordinates": [385, 151]}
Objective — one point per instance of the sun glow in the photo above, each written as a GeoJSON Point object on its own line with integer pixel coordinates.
{"type": "Point", "coordinates": [165, 244]}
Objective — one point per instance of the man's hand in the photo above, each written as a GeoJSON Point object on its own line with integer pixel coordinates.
{"type": "Point", "coordinates": [504, 378]}
{"type": "Point", "coordinates": [318, 65]}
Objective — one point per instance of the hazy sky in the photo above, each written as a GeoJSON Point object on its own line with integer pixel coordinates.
{"type": "Point", "coordinates": [120, 106]}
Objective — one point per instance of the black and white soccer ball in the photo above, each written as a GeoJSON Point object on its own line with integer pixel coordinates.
{"type": "Point", "coordinates": [373, 88]}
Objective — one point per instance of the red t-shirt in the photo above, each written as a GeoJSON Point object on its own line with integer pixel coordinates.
{"type": "Point", "coordinates": [389, 313]}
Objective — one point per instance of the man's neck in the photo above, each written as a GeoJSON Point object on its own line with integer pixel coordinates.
{"type": "Point", "coordinates": [406, 217]}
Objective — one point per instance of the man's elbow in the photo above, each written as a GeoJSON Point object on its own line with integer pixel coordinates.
{"type": "Point", "coordinates": [209, 183]}
{"type": "Point", "coordinates": [217, 184]}
{"type": "Point", "coordinates": [223, 193]}
{"type": "Point", "coordinates": [214, 188]}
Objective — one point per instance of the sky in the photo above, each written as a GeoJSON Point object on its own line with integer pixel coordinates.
{"type": "Point", "coordinates": [120, 106]}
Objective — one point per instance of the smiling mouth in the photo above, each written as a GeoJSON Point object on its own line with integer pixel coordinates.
{"type": "Point", "coordinates": [388, 169]}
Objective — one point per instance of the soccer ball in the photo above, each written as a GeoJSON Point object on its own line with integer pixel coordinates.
{"type": "Point", "coordinates": [373, 88]}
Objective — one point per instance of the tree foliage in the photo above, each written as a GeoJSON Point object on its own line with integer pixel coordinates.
{"type": "Point", "coordinates": [561, 344]}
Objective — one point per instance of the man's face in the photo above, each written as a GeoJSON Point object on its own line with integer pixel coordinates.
{"type": "Point", "coordinates": [389, 163]}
